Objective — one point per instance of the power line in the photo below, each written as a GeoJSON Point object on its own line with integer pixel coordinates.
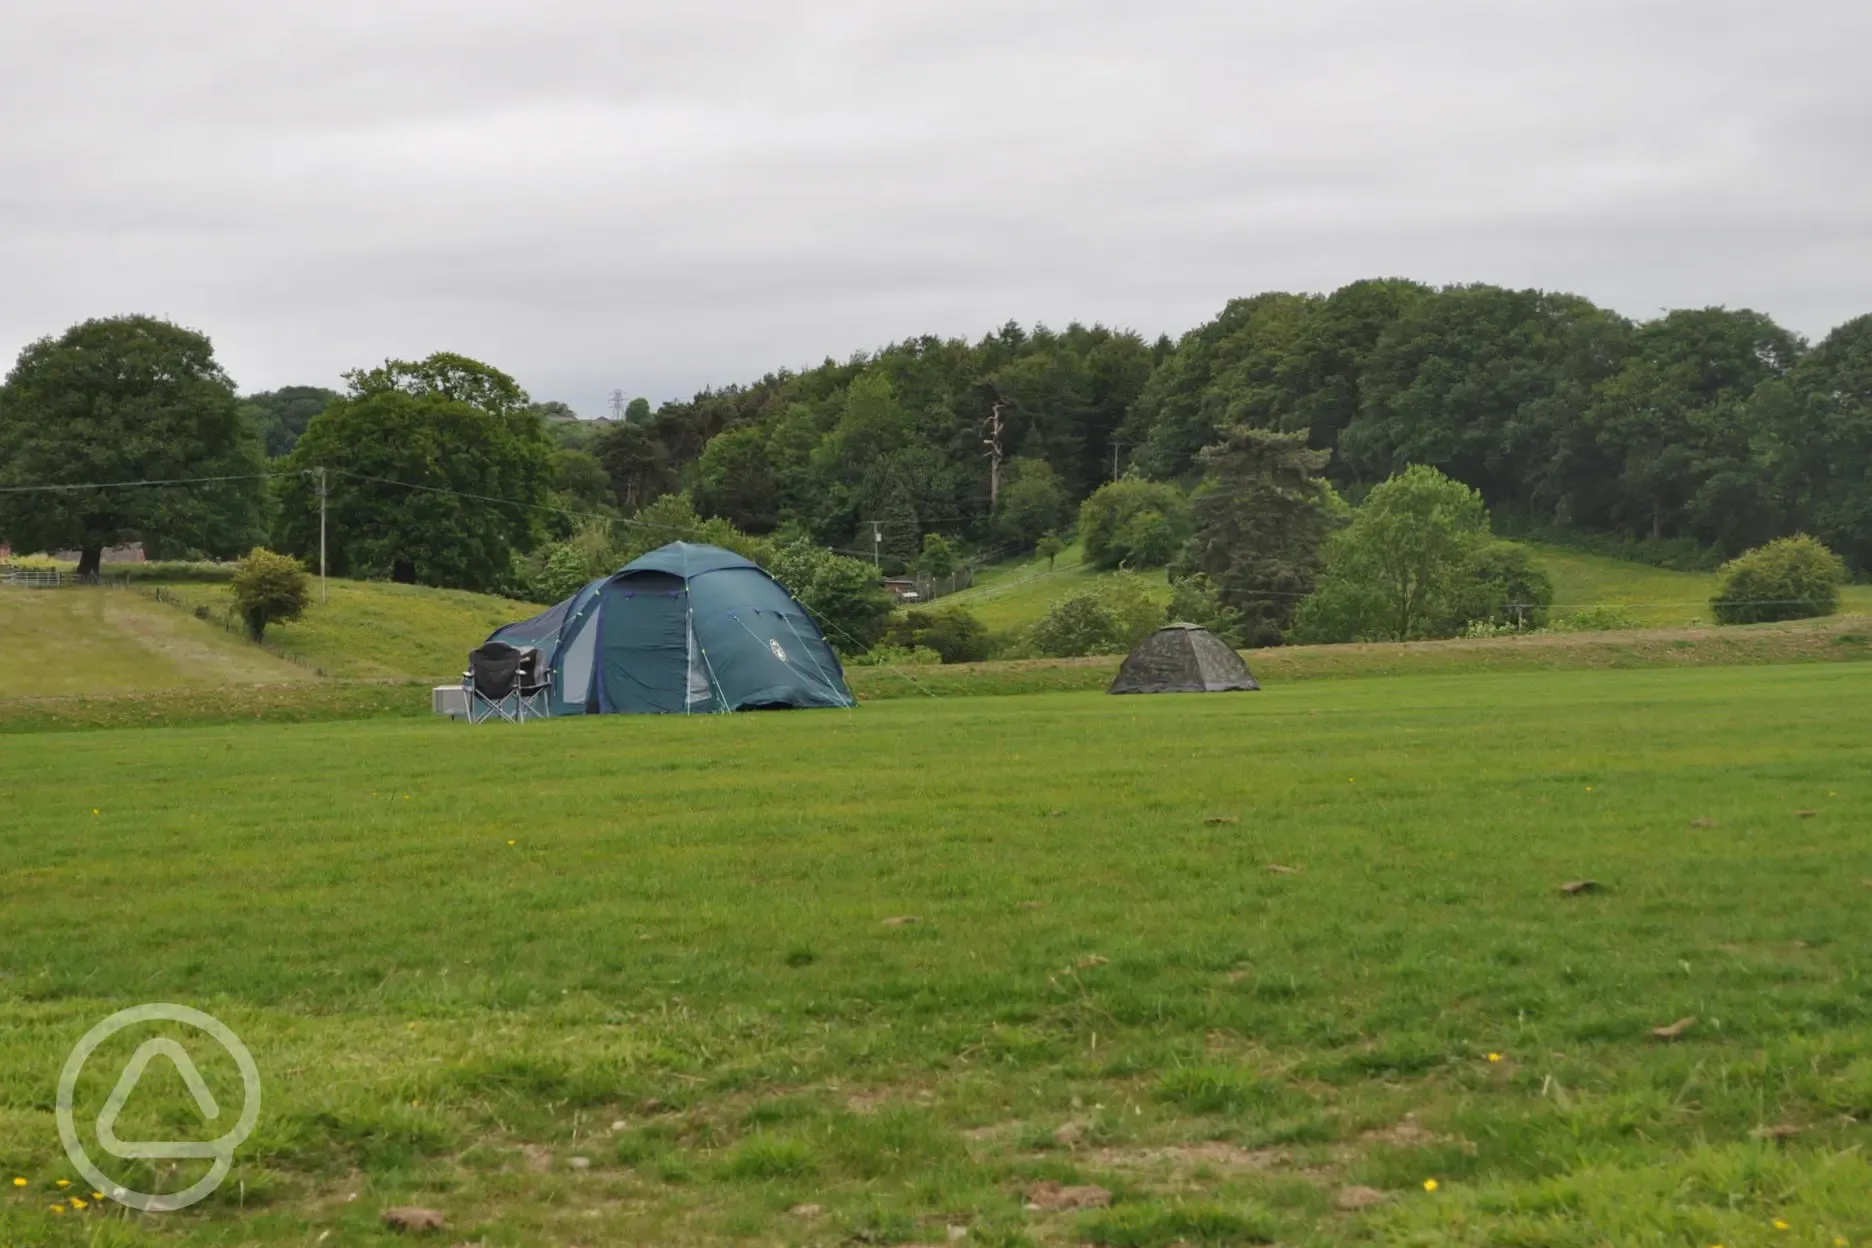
{"type": "Point", "coordinates": [562, 511]}
{"type": "Point", "coordinates": [126, 485]}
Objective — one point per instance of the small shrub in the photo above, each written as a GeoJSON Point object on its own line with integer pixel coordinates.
{"type": "Point", "coordinates": [1077, 624]}
{"type": "Point", "coordinates": [1109, 617]}
{"type": "Point", "coordinates": [950, 631]}
{"type": "Point", "coordinates": [1194, 600]}
{"type": "Point", "coordinates": [270, 588]}
{"type": "Point", "coordinates": [1795, 578]}
{"type": "Point", "coordinates": [1606, 618]}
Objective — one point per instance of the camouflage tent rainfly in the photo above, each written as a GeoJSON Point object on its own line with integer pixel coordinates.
{"type": "Point", "coordinates": [1183, 658]}
{"type": "Point", "coordinates": [684, 630]}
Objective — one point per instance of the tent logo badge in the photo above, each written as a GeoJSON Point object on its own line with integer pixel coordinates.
{"type": "Point", "coordinates": [774, 646]}
{"type": "Point", "coordinates": [219, 1151]}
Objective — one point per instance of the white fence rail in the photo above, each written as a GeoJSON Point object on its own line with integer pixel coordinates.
{"type": "Point", "coordinates": [34, 578]}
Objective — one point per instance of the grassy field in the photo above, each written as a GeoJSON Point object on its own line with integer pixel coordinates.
{"type": "Point", "coordinates": [1290, 966]}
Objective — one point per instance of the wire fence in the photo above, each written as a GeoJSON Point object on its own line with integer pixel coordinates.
{"type": "Point", "coordinates": [230, 621]}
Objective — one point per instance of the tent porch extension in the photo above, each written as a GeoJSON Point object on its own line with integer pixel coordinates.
{"type": "Point", "coordinates": [685, 630]}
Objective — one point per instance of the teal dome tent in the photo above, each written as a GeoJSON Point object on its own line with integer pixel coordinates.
{"type": "Point", "coordinates": [685, 630]}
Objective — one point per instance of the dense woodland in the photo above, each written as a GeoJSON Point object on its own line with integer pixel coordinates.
{"type": "Point", "coordinates": [1233, 453]}
{"type": "Point", "coordinates": [1712, 428]}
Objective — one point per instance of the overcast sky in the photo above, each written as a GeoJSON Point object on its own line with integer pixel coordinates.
{"type": "Point", "coordinates": [599, 194]}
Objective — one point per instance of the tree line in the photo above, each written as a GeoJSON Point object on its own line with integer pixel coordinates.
{"type": "Point", "coordinates": [1701, 433]}
{"type": "Point", "coordinates": [1711, 429]}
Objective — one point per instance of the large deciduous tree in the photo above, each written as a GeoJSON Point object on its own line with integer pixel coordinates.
{"type": "Point", "coordinates": [1401, 569]}
{"type": "Point", "coordinates": [439, 474]}
{"type": "Point", "coordinates": [127, 399]}
{"type": "Point", "coordinates": [1261, 516]}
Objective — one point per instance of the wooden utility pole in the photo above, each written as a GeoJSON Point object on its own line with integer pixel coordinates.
{"type": "Point", "coordinates": [324, 590]}
{"type": "Point", "coordinates": [993, 442]}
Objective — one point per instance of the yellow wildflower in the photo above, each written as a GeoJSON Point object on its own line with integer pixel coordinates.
{"type": "Point", "coordinates": [1430, 1185]}
{"type": "Point", "coordinates": [19, 1182]}
{"type": "Point", "coordinates": [57, 1208]}
{"type": "Point", "coordinates": [77, 1203]}
{"type": "Point", "coordinates": [64, 1182]}
{"type": "Point", "coordinates": [1494, 1057]}
{"type": "Point", "coordinates": [1780, 1225]}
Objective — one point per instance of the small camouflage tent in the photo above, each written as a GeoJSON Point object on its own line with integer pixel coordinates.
{"type": "Point", "coordinates": [1183, 658]}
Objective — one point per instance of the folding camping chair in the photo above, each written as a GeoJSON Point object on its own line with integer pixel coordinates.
{"type": "Point", "coordinates": [505, 682]}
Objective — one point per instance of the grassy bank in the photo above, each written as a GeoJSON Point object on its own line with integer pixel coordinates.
{"type": "Point", "coordinates": [1842, 639]}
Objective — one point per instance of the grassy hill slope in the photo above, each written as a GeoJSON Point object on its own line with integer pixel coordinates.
{"type": "Point", "coordinates": [372, 630]}
{"type": "Point", "coordinates": [1012, 595]}
{"type": "Point", "coordinates": [68, 641]}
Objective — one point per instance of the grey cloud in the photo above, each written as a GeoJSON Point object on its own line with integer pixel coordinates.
{"type": "Point", "coordinates": [659, 197]}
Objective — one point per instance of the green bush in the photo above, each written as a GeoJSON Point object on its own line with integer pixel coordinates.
{"type": "Point", "coordinates": [1503, 586]}
{"type": "Point", "coordinates": [1195, 600]}
{"type": "Point", "coordinates": [1795, 578]}
{"type": "Point", "coordinates": [1077, 624]}
{"type": "Point", "coordinates": [270, 588]}
{"type": "Point", "coordinates": [1108, 618]}
{"type": "Point", "coordinates": [1133, 523]}
{"type": "Point", "coordinates": [842, 594]}
{"type": "Point", "coordinates": [1606, 618]}
{"type": "Point", "coordinates": [563, 574]}
{"type": "Point", "coordinates": [950, 631]}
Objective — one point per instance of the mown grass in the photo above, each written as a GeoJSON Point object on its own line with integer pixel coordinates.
{"type": "Point", "coordinates": [631, 980]}
{"type": "Point", "coordinates": [374, 630]}
{"type": "Point", "coordinates": [72, 641]}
